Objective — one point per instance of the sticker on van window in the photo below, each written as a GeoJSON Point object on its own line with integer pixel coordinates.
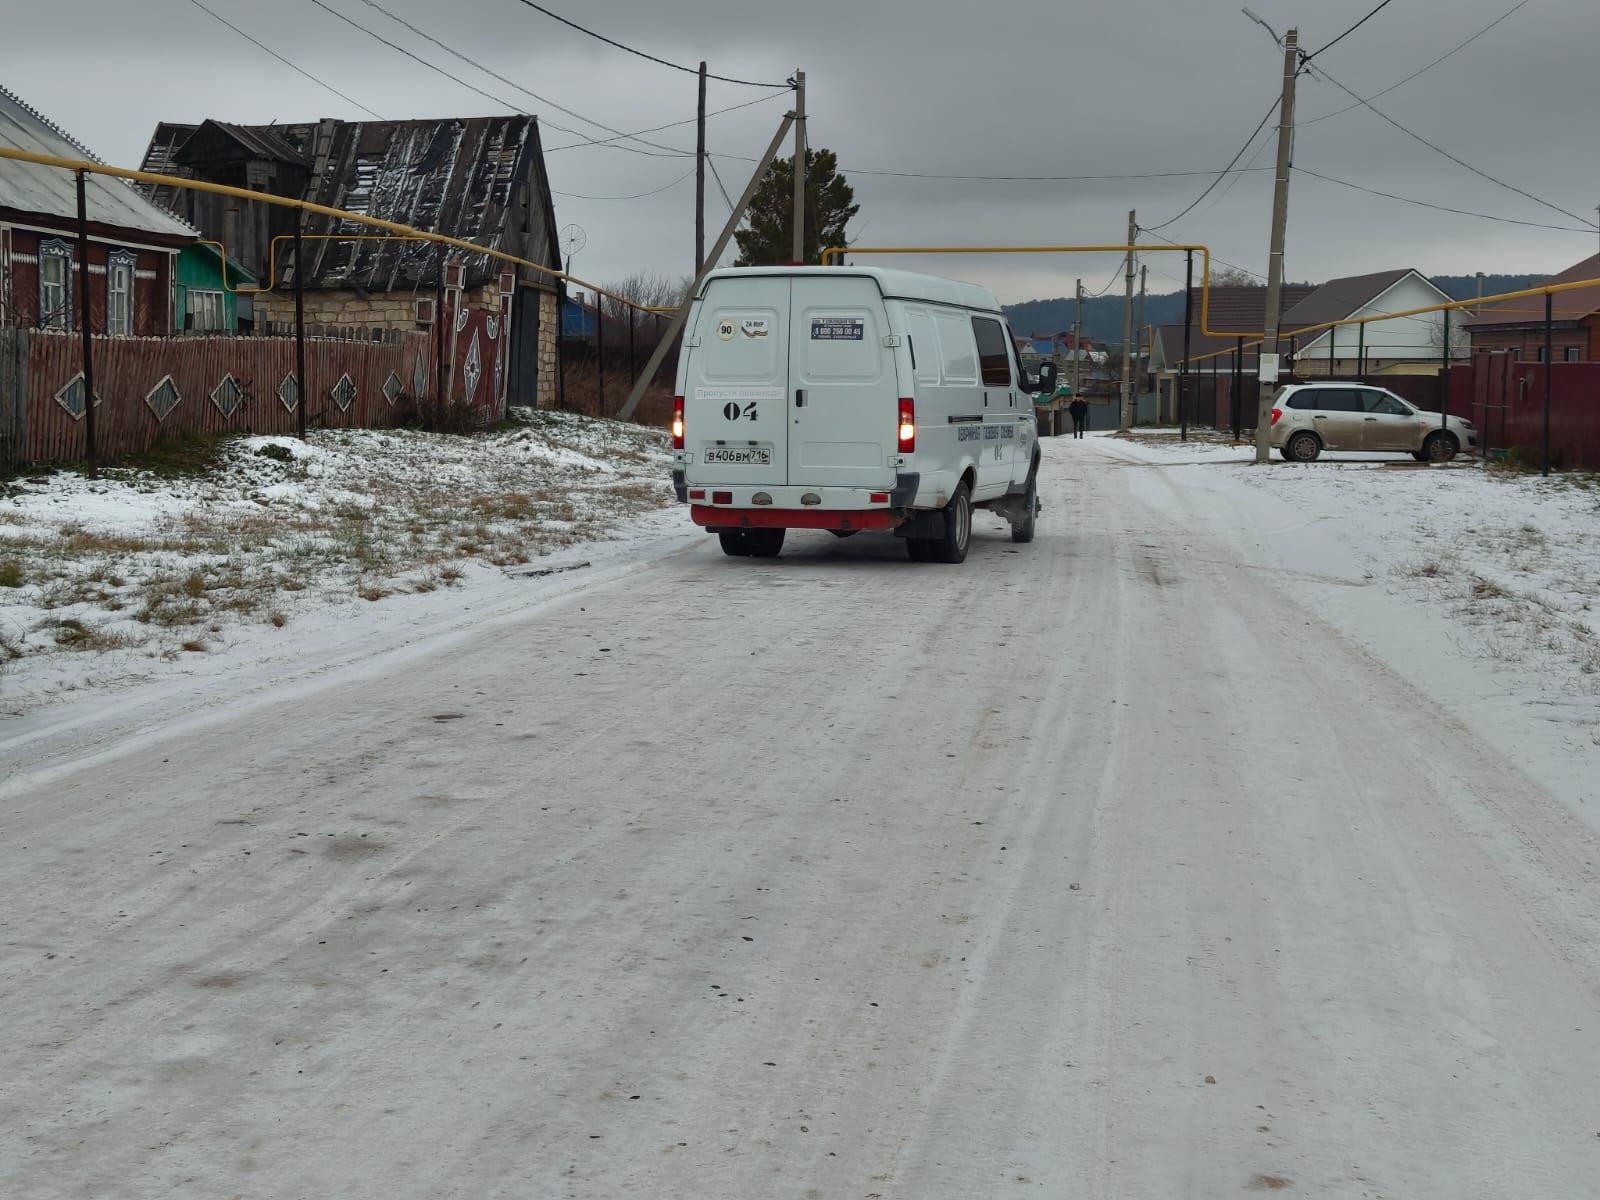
{"type": "Point", "coordinates": [837, 329]}
{"type": "Point", "coordinates": [753, 327]}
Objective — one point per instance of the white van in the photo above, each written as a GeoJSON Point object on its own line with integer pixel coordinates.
{"type": "Point", "coordinates": [850, 399]}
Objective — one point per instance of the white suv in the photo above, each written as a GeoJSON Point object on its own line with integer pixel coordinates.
{"type": "Point", "coordinates": [1308, 418]}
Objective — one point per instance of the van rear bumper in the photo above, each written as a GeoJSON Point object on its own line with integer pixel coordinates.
{"type": "Point", "coordinates": [718, 518]}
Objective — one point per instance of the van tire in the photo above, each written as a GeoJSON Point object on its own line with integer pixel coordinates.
{"type": "Point", "coordinates": [952, 547]}
{"type": "Point", "coordinates": [764, 543]}
{"type": "Point", "coordinates": [1022, 531]}
{"type": "Point", "coordinates": [735, 543]}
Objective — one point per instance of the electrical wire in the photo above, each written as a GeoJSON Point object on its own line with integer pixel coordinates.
{"type": "Point", "coordinates": [669, 151]}
{"type": "Point", "coordinates": [636, 196]}
{"type": "Point", "coordinates": [720, 187]}
{"type": "Point", "coordinates": [658, 128]}
{"type": "Point", "coordinates": [1322, 73]}
{"type": "Point", "coordinates": [1262, 124]}
{"type": "Point", "coordinates": [1036, 178]}
{"type": "Point", "coordinates": [1460, 46]}
{"type": "Point", "coordinates": [1385, 4]}
{"type": "Point", "coordinates": [285, 61]}
{"type": "Point", "coordinates": [1214, 257]}
{"type": "Point", "coordinates": [1465, 212]}
{"type": "Point", "coordinates": [640, 53]}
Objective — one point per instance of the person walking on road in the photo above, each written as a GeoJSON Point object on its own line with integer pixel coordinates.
{"type": "Point", "coordinates": [1080, 416]}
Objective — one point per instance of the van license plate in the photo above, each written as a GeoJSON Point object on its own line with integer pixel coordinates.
{"type": "Point", "coordinates": [743, 458]}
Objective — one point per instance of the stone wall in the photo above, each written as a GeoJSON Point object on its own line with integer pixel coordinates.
{"type": "Point", "coordinates": [548, 353]}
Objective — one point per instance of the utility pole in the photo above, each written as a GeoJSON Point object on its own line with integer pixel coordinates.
{"type": "Point", "coordinates": [1138, 329]}
{"type": "Point", "coordinates": [700, 178]}
{"type": "Point", "coordinates": [799, 167]}
{"type": "Point", "coordinates": [1125, 417]}
{"type": "Point", "coordinates": [1268, 356]}
{"type": "Point", "coordinates": [1077, 342]}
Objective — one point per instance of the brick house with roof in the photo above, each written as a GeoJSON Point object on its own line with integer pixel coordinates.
{"type": "Point", "coordinates": [1516, 327]}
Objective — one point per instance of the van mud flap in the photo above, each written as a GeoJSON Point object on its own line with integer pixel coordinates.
{"type": "Point", "coordinates": [922, 523]}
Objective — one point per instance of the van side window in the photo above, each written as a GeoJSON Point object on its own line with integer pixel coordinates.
{"type": "Point", "coordinates": [919, 332]}
{"type": "Point", "coordinates": [992, 356]}
{"type": "Point", "coordinates": [960, 357]}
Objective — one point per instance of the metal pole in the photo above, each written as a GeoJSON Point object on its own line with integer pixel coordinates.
{"type": "Point", "coordinates": [678, 318]}
{"type": "Point", "coordinates": [600, 354]}
{"type": "Point", "coordinates": [302, 384]}
{"type": "Point", "coordinates": [1332, 330]}
{"type": "Point", "coordinates": [700, 178]}
{"type": "Point", "coordinates": [1361, 351]}
{"type": "Point", "coordinates": [633, 358]}
{"type": "Point", "coordinates": [1077, 342]}
{"type": "Point", "coordinates": [1214, 365]}
{"type": "Point", "coordinates": [561, 344]}
{"type": "Point", "coordinates": [1125, 418]}
{"type": "Point", "coordinates": [1548, 372]}
{"type": "Point", "coordinates": [1268, 356]}
{"type": "Point", "coordinates": [1238, 388]}
{"type": "Point", "coordinates": [439, 329]}
{"type": "Point", "coordinates": [799, 166]}
{"type": "Point", "coordinates": [1188, 321]}
{"type": "Point", "coordinates": [85, 321]}
{"type": "Point", "coordinates": [1138, 347]}
{"type": "Point", "coordinates": [1444, 376]}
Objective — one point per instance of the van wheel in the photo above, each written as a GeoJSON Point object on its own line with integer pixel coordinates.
{"type": "Point", "coordinates": [765, 543]}
{"type": "Point", "coordinates": [1303, 447]}
{"type": "Point", "coordinates": [1440, 447]}
{"type": "Point", "coordinates": [1022, 531]}
{"type": "Point", "coordinates": [952, 547]}
{"type": "Point", "coordinates": [735, 543]}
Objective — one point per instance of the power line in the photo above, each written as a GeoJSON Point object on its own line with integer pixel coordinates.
{"type": "Point", "coordinates": [658, 128]}
{"type": "Point", "coordinates": [1460, 46]}
{"type": "Point", "coordinates": [1267, 116]}
{"type": "Point", "coordinates": [1214, 257]}
{"type": "Point", "coordinates": [1349, 31]}
{"type": "Point", "coordinates": [670, 150]}
{"type": "Point", "coordinates": [1036, 178]}
{"type": "Point", "coordinates": [285, 61]}
{"type": "Point", "coordinates": [1440, 150]}
{"type": "Point", "coordinates": [640, 53]}
{"type": "Point", "coordinates": [720, 187]}
{"type": "Point", "coordinates": [636, 196]}
{"type": "Point", "coordinates": [1465, 212]}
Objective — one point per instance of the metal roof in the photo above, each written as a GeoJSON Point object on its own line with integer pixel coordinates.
{"type": "Point", "coordinates": [1564, 306]}
{"type": "Point", "coordinates": [1341, 298]}
{"type": "Point", "coordinates": [53, 192]}
{"type": "Point", "coordinates": [900, 285]}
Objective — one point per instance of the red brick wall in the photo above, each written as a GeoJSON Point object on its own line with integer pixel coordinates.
{"type": "Point", "coordinates": [152, 309]}
{"type": "Point", "coordinates": [1529, 343]}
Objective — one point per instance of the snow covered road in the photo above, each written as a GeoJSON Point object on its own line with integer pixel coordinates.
{"type": "Point", "coordinates": [1101, 867]}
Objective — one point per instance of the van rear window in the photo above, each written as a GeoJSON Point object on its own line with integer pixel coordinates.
{"type": "Point", "coordinates": [993, 358]}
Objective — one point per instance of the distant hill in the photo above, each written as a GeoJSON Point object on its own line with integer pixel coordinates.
{"type": "Point", "coordinates": [1102, 315]}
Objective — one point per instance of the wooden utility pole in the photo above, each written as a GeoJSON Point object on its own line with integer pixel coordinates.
{"type": "Point", "coordinates": [700, 179]}
{"type": "Point", "coordinates": [1125, 416]}
{"type": "Point", "coordinates": [799, 167]}
{"type": "Point", "coordinates": [1077, 342]}
{"type": "Point", "coordinates": [1267, 359]}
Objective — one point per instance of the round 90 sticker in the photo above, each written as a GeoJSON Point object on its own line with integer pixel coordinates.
{"type": "Point", "coordinates": [726, 330]}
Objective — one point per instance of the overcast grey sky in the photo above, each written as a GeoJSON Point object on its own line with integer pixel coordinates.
{"type": "Point", "coordinates": [1025, 87]}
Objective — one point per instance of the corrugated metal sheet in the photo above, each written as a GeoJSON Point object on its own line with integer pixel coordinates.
{"type": "Point", "coordinates": [128, 369]}
{"type": "Point", "coordinates": [52, 191]}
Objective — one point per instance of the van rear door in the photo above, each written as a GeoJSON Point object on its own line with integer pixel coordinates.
{"type": "Point", "coordinates": [735, 394]}
{"type": "Point", "coordinates": [844, 391]}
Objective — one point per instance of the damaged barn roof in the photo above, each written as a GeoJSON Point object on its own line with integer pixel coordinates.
{"type": "Point", "coordinates": [479, 179]}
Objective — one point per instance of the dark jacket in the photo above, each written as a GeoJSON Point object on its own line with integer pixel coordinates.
{"type": "Point", "coordinates": [1078, 408]}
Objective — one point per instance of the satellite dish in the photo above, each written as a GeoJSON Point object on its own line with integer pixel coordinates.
{"type": "Point", "coordinates": [573, 239]}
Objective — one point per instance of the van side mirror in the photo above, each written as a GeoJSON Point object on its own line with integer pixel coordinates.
{"type": "Point", "coordinates": [1047, 378]}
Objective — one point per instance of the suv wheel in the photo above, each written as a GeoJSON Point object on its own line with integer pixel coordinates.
{"type": "Point", "coordinates": [1303, 447]}
{"type": "Point", "coordinates": [1440, 446]}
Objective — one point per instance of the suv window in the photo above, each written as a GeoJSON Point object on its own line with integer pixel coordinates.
{"type": "Point", "coordinates": [1383, 404]}
{"type": "Point", "coordinates": [992, 355]}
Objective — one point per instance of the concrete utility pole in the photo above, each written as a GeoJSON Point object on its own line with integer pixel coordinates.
{"type": "Point", "coordinates": [1268, 357]}
{"type": "Point", "coordinates": [799, 166]}
{"type": "Point", "coordinates": [700, 179]}
{"type": "Point", "coordinates": [1077, 342]}
{"type": "Point", "coordinates": [1125, 417]}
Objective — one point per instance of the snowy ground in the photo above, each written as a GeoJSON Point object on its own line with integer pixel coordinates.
{"type": "Point", "coordinates": [284, 544]}
{"type": "Point", "coordinates": [1194, 850]}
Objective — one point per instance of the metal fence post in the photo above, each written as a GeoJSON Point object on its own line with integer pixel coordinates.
{"type": "Point", "coordinates": [1444, 376]}
{"type": "Point", "coordinates": [1188, 322]}
{"type": "Point", "coordinates": [302, 388]}
{"type": "Point", "coordinates": [86, 322]}
{"type": "Point", "coordinates": [1549, 372]}
{"type": "Point", "coordinates": [1361, 351]}
{"type": "Point", "coordinates": [438, 340]}
{"type": "Point", "coordinates": [600, 355]}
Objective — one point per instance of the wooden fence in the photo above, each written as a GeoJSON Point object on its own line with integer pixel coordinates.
{"type": "Point", "coordinates": [223, 384]}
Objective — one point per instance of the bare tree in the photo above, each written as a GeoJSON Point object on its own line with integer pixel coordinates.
{"type": "Point", "coordinates": [1232, 277]}
{"type": "Point", "coordinates": [648, 289]}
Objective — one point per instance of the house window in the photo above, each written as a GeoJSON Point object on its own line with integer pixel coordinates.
{"type": "Point", "coordinates": [55, 285]}
{"type": "Point", "coordinates": [206, 311]}
{"type": "Point", "coordinates": [119, 293]}
{"type": "Point", "coordinates": [1573, 354]}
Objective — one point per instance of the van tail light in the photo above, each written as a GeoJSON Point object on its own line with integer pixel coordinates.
{"type": "Point", "coordinates": [1276, 413]}
{"type": "Point", "coordinates": [677, 422]}
{"type": "Point", "coordinates": [908, 425]}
